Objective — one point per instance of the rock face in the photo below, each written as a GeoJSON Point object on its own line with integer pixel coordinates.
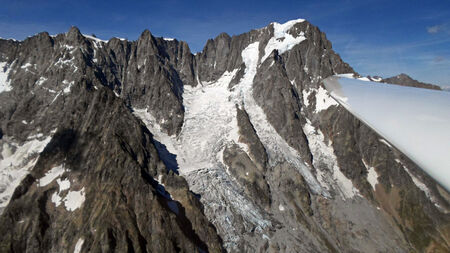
{"type": "Point", "coordinates": [142, 146]}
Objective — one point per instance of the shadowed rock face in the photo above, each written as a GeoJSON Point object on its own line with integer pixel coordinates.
{"type": "Point", "coordinates": [104, 148]}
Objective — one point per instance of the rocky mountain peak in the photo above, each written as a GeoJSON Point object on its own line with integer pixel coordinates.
{"type": "Point", "coordinates": [74, 34]}
{"type": "Point", "coordinates": [146, 35]}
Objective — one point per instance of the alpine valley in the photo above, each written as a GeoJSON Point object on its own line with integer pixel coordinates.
{"type": "Point", "coordinates": [142, 146]}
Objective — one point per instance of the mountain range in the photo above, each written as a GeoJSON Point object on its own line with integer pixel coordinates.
{"type": "Point", "coordinates": [142, 146]}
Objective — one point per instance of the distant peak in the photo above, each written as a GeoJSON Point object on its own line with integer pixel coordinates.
{"type": "Point", "coordinates": [404, 75]}
{"type": "Point", "coordinates": [146, 34]}
{"type": "Point", "coordinates": [74, 30]}
{"type": "Point", "coordinates": [404, 79]}
{"type": "Point", "coordinates": [224, 35]}
{"type": "Point", "coordinates": [74, 34]}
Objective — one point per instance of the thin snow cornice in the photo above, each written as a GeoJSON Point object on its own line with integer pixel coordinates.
{"type": "Point", "coordinates": [94, 38]}
{"type": "Point", "coordinates": [287, 25]}
{"type": "Point", "coordinates": [1, 38]}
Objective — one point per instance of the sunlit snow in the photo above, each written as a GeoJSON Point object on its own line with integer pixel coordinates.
{"type": "Point", "coordinates": [51, 175]}
{"type": "Point", "coordinates": [323, 100]}
{"type": "Point", "coordinates": [63, 184]}
{"type": "Point", "coordinates": [68, 85]}
{"type": "Point", "coordinates": [372, 175]}
{"type": "Point", "coordinates": [96, 41]}
{"type": "Point", "coordinates": [282, 40]}
{"type": "Point", "coordinates": [74, 199]}
{"type": "Point", "coordinates": [41, 80]}
{"type": "Point", "coordinates": [78, 246]}
{"type": "Point", "coordinates": [4, 82]}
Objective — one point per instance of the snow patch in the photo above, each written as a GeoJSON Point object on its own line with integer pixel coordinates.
{"type": "Point", "coordinates": [168, 39]}
{"type": "Point", "coordinates": [74, 199]}
{"type": "Point", "coordinates": [323, 100]}
{"type": "Point", "coordinates": [372, 175]}
{"type": "Point", "coordinates": [364, 79]}
{"type": "Point", "coordinates": [347, 75]}
{"type": "Point", "coordinates": [51, 175]}
{"type": "Point", "coordinates": [63, 184]}
{"type": "Point", "coordinates": [4, 82]}
{"type": "Point", "coordinates": [35, 136]}
{"type": "Point", "coordinates": [385, 142]}
{"type": "Point", "coordinates": [61, 63]}
{"type": "Point", "coordinates": [78, 246]}
{"type": "Point", "coordinates": [96, 41]}
{"type": "Point", "coordinates": [26, 65]}
{"type": "Point", "coordinates": [282, 40]}
{"type": "Point", "coordinates": [69, 47]}
{"type": "Point", "coordinates": [69, 85]}
{"type": "Point", "coordinates": [56, 199]}
{"type": "Point", "coordinates": [41, 80]}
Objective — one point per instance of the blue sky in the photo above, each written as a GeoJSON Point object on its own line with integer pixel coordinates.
{"type": "Point", "coordinates": [375, 37]}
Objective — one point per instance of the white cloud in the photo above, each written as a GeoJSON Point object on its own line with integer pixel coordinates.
{"type": "Point", "coordinates": [434, 29]}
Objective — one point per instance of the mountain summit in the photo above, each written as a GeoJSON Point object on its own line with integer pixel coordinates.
{"type": "Point", "coordinates": [142, 146]}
